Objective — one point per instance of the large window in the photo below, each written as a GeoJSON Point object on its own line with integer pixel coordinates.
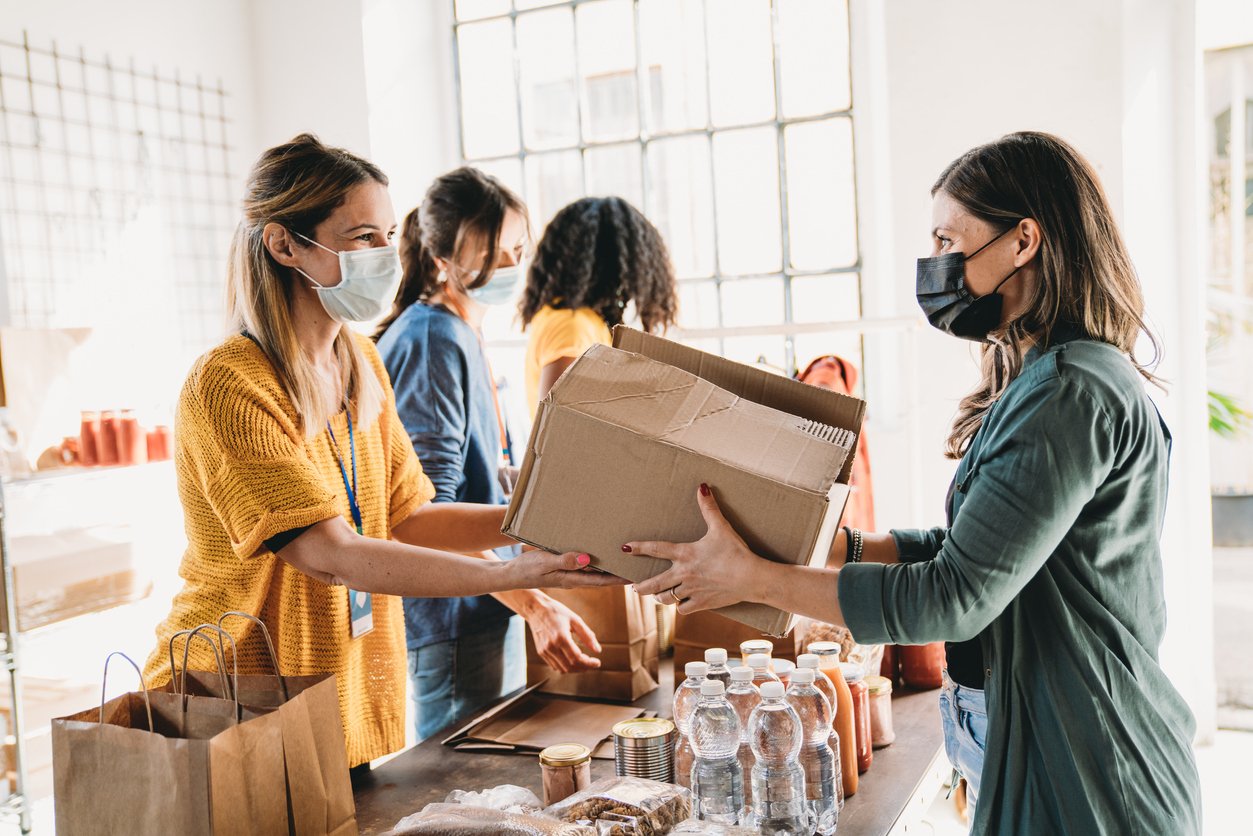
{"type": "Point", "coordinates": [729, 122]}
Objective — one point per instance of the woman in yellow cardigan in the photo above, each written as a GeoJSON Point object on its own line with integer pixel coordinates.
{"type": "Point", "coordinates": [304, 503]}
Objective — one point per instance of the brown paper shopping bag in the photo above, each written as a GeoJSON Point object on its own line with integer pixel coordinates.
{"type": "Point", "coordinates": [696, 632]}
{"type": "Point", "coordinates": [626, 626]}
{"type": "Point", "coordinates": [157, 762]}
{"type": "Point", "coordinates": [319, 790]}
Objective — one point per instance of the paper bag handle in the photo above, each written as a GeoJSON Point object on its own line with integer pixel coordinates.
{"type": "Point", "coordinates": [265, 632]}
{"type": "Point", "coordinates": [104, 684]}
{"type": "Point", "coordinates": [179, 675]}
{"type": "Point", "coordinates": [233, 688]}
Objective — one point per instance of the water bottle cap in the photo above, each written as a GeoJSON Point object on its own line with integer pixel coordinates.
{"type": "Point", "coordinates": [758, 661]}
{"type": "Point", "coordinates": [712, 688]}
{"type": "Point", "coordinates": [742, 673]}
{"type": "Point", "coordinates": [803, 676]}
{"type": "Point", "coordinates": [771, 690]}
{"type": "Point", "coordinates": [696, 670]}
{"type": "Point", "coordinates": [807, 660]}
{"type": "Point", "coordinates": [716, 656]}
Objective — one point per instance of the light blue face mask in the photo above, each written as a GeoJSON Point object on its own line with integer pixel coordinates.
{"type": "Point", "coordinates": [500, 288]}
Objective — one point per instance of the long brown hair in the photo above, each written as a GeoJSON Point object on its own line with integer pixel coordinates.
{"type": "Point", "coordinates": [1087, 283]}
{"type": "Point", "coordinates": [461, 204]}
{"type": "Point", "coordinates": [298, 185]}
{"type": "Point", "coordinates": [602, 253]}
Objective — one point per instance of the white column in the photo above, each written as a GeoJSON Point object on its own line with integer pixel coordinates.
{"type": "Point", "coordinates": [1162, 190]}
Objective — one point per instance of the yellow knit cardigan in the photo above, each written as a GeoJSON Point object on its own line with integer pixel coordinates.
{"type": "Point", "coordinates": [245, 474]}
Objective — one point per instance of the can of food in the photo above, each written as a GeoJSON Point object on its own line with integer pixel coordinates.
{"type": "Point", "coordinates": [644, 748]}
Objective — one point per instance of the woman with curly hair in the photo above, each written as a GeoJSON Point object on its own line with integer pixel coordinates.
{"type": "Point", "coordinates": [598, 255]}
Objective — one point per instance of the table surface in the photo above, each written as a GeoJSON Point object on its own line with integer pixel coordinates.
{"type": "Point", "coordinates": [429, 771]}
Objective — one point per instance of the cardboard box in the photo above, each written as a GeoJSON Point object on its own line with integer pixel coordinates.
{"type": "Point", "coordinates": [626, 628]}
{"type": "Point", "coordinates": [628, 433]}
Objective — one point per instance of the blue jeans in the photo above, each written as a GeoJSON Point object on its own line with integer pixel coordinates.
{"type": "Point", "coordinates": [965, 718]}
{"type": "Point", "coordinates": [453, 679]}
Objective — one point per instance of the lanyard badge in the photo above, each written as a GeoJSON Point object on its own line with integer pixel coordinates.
{"type": "Point", "coordinates": [360, 604]}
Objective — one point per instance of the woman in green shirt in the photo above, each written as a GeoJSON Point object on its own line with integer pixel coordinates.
{"type": "Point", "coordinates": [1050, 563]}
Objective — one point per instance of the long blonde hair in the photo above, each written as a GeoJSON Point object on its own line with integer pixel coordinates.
{"type": "Point", "coordinates": [1087, 284]}
{"type": "Point", "coordinates": [297, 185]}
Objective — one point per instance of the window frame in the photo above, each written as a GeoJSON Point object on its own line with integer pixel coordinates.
{"type": "Point", "coordinates": [644, 139]}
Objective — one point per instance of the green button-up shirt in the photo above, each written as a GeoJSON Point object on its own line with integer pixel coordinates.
{"type": "Point", "coordinates": [1053, 562]}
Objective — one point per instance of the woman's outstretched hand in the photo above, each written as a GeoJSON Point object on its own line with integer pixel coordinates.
{"type": "Point", "coordinates": [716, 571]}
{"type": "Point", "coordinates": [534, 569]}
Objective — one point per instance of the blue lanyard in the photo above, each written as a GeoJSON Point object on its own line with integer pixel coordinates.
{"type": "Point", "coordinates": [351, 490]}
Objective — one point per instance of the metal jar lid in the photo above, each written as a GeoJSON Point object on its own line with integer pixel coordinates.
{"type": "Point", "coordinates": [644, 729]}
{"type": "Point", "coordinates": [565, 754]}
{"type": "Point", "coordinates": [878, 685]}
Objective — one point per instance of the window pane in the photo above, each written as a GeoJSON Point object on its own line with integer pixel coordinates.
{"type": "Point", "coordinates": [748, 302]}
{"type": "Point", "coordinates": [489, 109]}
{"type": "Point", "coordinates": [672, 40]}
{"type": "Point", "coordinates": [813, 56]}
{"type": "Point", "coordinates": [741, 67]}
{"type": "Point", "coordinates": [550, 116]}
{"type": "Point", "coordinates": [507, 171]}
{"type": "Point", "coordinates": [846, 344]}
{"type": "Point", "coordinates": [607, 64]}
{"type": "Point", "coordinates": [552, 181]}
{"type": "Point", "coordinates": [768, 350]}
{"type": "Point", "coordinates": [698, 305]}
{"type": "Point", "coordinates": [615, 170]}
{"type": "Point", "coordinates": [681, 202]}
{"type": "Point", "coordinates": [833, 298]}
{"type": "Point", "coordinates": [473, 9]}
{"type": "Point", "coordinates": [746, 175]}
{"type": "Point", "coordinates": [821, 200]}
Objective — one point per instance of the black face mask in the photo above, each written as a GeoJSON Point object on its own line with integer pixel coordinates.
{"type": "Point", "coordinates": [943, 297]}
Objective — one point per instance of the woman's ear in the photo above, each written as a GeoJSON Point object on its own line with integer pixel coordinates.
{"type": "Point", "coordinates": [1028, 238]}
{"type": "Point", "coordinates": [278, 242]}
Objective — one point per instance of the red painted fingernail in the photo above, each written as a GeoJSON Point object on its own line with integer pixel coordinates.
{"type": "Point", "coordinates": [583, 560]}
{"type": "Point", "coordinates": [626, 549]}
{"type": "Point", "coordinates": [704, 489]}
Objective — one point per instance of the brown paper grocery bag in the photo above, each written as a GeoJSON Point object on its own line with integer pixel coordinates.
{"type": "Point", "coordinates": [626, 626]}
{"type": "Point", "coordinates": [697, 632]}
{"type": "Point", "coordinates": [154, 762]}
{"type": "Point", "coordinates": [318, 787]}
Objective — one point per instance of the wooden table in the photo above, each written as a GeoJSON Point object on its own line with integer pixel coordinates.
{"type": "Point", "coordinates": [891, 798]}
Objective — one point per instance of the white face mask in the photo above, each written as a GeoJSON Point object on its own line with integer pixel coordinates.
{"type": "Point", "coordinates": [500, 288]}
{"type": "Point", "coordinates": [368, 280]}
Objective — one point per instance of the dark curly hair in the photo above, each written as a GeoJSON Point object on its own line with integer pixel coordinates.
{"type": "Point", "coordinates": [602, 253]}
{"type": "Point", "coordinates": [463, 202]}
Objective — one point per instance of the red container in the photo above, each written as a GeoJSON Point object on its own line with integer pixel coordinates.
{"type": "Point", "coordinates": [109, 438]}
{"type": "Point", "coordinates": [132, 440]}
{"type": "Point", "coordinates": [922, 666]}
{"type": "Point", "coordinates": [888, 667]}
{"type": "Point", "coordinates": [89, 439]}
{"type": "Point", "coordinates": [159, 444]}
{"type": "Point", "coordinates": [861, 714]}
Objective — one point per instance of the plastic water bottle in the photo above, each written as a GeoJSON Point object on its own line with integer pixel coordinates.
{"type": "Point", "coordinates": [687, 695]}
{"type": "Point", "coordinates": [716, 659]}
{"type": "Point", "coordinates": [744, 697]}
{"type": "Point", "coordinates": [817, 759]}
{"type": "Point", "coordinates": [774, 731]}
{"type": "Point", "coordinates": [760, 663]}
{"type": "Point", "coordinates": [717, 780]}
{"type": "Point", "coordinates": [686, 698]}
{"type": "Point", "coordinates": [823, 683]}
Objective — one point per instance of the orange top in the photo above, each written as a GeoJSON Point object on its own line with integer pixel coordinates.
{"type": "Point", "coordinates": [245, 474]}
